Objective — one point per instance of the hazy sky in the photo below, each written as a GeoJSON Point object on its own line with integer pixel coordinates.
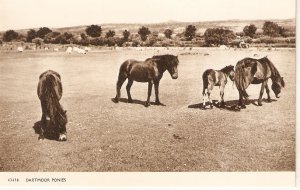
{"type": "Point", "coordinates": [18, 14]}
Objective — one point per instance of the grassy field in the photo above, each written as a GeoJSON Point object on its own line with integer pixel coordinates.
{"type": "Point", "coordinates": [104, 136]}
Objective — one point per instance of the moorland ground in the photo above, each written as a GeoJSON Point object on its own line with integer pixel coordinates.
{"type": "Point", "coordinates": [104, 136]}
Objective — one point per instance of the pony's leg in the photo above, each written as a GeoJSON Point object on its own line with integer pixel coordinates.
{"type": "Point", "coordinates": [150, 84]}
{"type": "Point", "coordinates": [120, 82]}
{"type": "Point", "coordinates": [128, 86]}
{"type": "Point", "coordinates": [221, 102]}
{"type": "Point", "coordinates": [268, 92]}
{"type": "Point", "coordinates": [43, 120]}
{"type": "Point", "coordinates": [156, 85]}
{"type": "Point", "coordinates": [241, 103]}
{"type": "Point", "coordinates": [261, 93]}
{"type": "Point", "coordinates": [203, 98]}
{"type": "Point", "coordinates": [209, 89]}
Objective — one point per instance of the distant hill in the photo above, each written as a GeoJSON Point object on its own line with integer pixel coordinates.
{"type": "Point", "coordinates": [177, 27]}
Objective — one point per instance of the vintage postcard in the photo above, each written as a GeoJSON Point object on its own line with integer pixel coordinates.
{"type": "Point", "coordinates": [172, 93]}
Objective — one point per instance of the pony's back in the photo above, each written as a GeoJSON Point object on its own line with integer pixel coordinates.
{"type": "Point", "coordinates": [49, 84]}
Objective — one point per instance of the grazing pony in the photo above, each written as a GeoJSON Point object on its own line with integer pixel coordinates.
{"type": "Point", "coordinates": [151, 70]}
{"type": "Point", "coordinates": [256, 71]}
{"type": "Point", "coordinates": [49, 92]}
{"type": "Point", "coordinates": [213, 78]}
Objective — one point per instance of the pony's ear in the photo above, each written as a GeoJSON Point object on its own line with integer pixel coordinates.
{"type": "Point", "coordinates": [65, 111]}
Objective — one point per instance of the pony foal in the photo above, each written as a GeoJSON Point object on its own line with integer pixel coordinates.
{"type": "Point", "coordinates": [213, 78]}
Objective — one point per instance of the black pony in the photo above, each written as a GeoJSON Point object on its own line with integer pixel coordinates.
{"type": "Point", "coordinates": [49, 92]}
{"type": "Point", "coordinates": [255, 71]}
{"type": "Point", "coordinates": [151, 70]}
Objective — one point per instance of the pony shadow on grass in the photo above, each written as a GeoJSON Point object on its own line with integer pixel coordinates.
{"type": "Point", "coordinates": [231, 105]}
{"type": "Point", "coordinates": [124, 100]}
{"type": "Point", "coordinates": [50, 134]}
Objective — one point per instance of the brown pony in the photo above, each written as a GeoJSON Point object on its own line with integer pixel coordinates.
{"type": "Point", "coordinates": [213, 78]}
{"type": "Point", "coordinates": [151, 71]}
{"type": "Point", "coordinates": [256, 71]}
{"type": "Point", "coordinates": [50, 92]}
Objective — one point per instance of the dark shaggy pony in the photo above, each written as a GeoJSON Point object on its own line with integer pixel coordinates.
{"type": "Point", "coordinates": [49, 92]}
{"type": "Point", "coordinates": [151, 71]}
{"type": "Point", "coordinates": [257, 71]}
{"type": "Point", "coordinates": [213, 78]}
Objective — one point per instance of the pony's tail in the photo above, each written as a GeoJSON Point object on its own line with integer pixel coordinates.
{"type": "Point", "coordinates": [205, 82]}
{"type": "Point", "coordinates": [239, 79]}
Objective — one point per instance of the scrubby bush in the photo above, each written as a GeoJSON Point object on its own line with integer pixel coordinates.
{"type": "Point", "coordinates": [31, 34]}
{"type": "Point", "coordinates": [93, 31]}
{"type": "Point", "coordinates": [52, 37]}
{"type": "Point", "coordinates": [38, 42]}
{"type": "Point", "coordinates": [126, 35]}
{"type": "Point", "coordinates": [144, 32]}
{"type": "Point", "coordinates": [250, 30]}
{"type": "Point", "coordinates": [168, 33]}
{"type": "Point", "coordinates": [273, 29]}
{"type": "Point", "coordinates": [10, 35]}
{"type": "Point", "coordinates": [110, 34]}
{"type": "Point", "coordinates": [98, 41]}
{"type": "Point", "coordinates": [136, 43]}
{"type": "Point", "coordinates": [65, 38]}
{"type": "Point", "coordinates": [218, 36]}
{"type": "Point", "coordinates": [21, 38]}
{"type": "Point", "coordinates": [190, 32]}
{"type": "Point", "coordinates": [42, 32]}
{"type": "Point", "coordinates": [277, 40]}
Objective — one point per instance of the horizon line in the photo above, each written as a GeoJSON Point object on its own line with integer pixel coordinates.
{"type": "Point", "coordinates": [148, 23]}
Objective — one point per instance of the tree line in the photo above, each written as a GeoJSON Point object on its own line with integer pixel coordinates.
{"type": "Point", "coordinates": [144, 37]}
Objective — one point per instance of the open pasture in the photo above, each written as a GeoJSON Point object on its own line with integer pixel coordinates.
{"type": "Point", "coordinates": [105, 136]}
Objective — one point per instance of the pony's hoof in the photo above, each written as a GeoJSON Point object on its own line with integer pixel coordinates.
{"type": "Point", "coordinates": [129, 101]}
{"type": "Point", "coordinates": [62, 137]}
{"type": "Point", "coordinates": [158, 103]}
{"type": "Point", "coordinates": [259, 104]}
{"type": "Point", "coordinates": [147, 104]}
{"type": "Point", "coordinates": [241, 107]}
{"type": "Point", "coordinates": [269, 101]}
{"type": "Point", "coordinates": [116, 100]}
{"type": "Point", "coordinates": [222, 104]}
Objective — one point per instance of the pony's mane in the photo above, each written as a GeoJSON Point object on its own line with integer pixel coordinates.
{"type": "Point", "coordinates": [274, 72]}
{"type": "Point", "coordinates": [56, 112]}
{"type": "Point", "coordinates": [227, 69]}
{"type": "Point", "coordinates": [165, 58]}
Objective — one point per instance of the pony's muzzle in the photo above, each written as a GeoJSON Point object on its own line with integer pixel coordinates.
{"type": "Point", "coordinates": [174, 76]}
{"type": "Point", "coordinates": [62, 137]}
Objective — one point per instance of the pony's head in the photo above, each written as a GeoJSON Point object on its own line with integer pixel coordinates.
{"type": "Point", "coordinates": [168, 62]}
{"type": "Point", "coordinates": [277, 84]}
{"type": "Point", "coordinates": [229, 70]}
{"type": "Point", "coordinates": [172, 65]}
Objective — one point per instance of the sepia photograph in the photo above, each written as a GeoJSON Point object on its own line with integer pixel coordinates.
{"type": "Point", "coordinates": [136, 86]}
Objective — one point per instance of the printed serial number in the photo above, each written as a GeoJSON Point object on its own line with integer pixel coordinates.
{"type": "Point", "coordinates": [13, 180]}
